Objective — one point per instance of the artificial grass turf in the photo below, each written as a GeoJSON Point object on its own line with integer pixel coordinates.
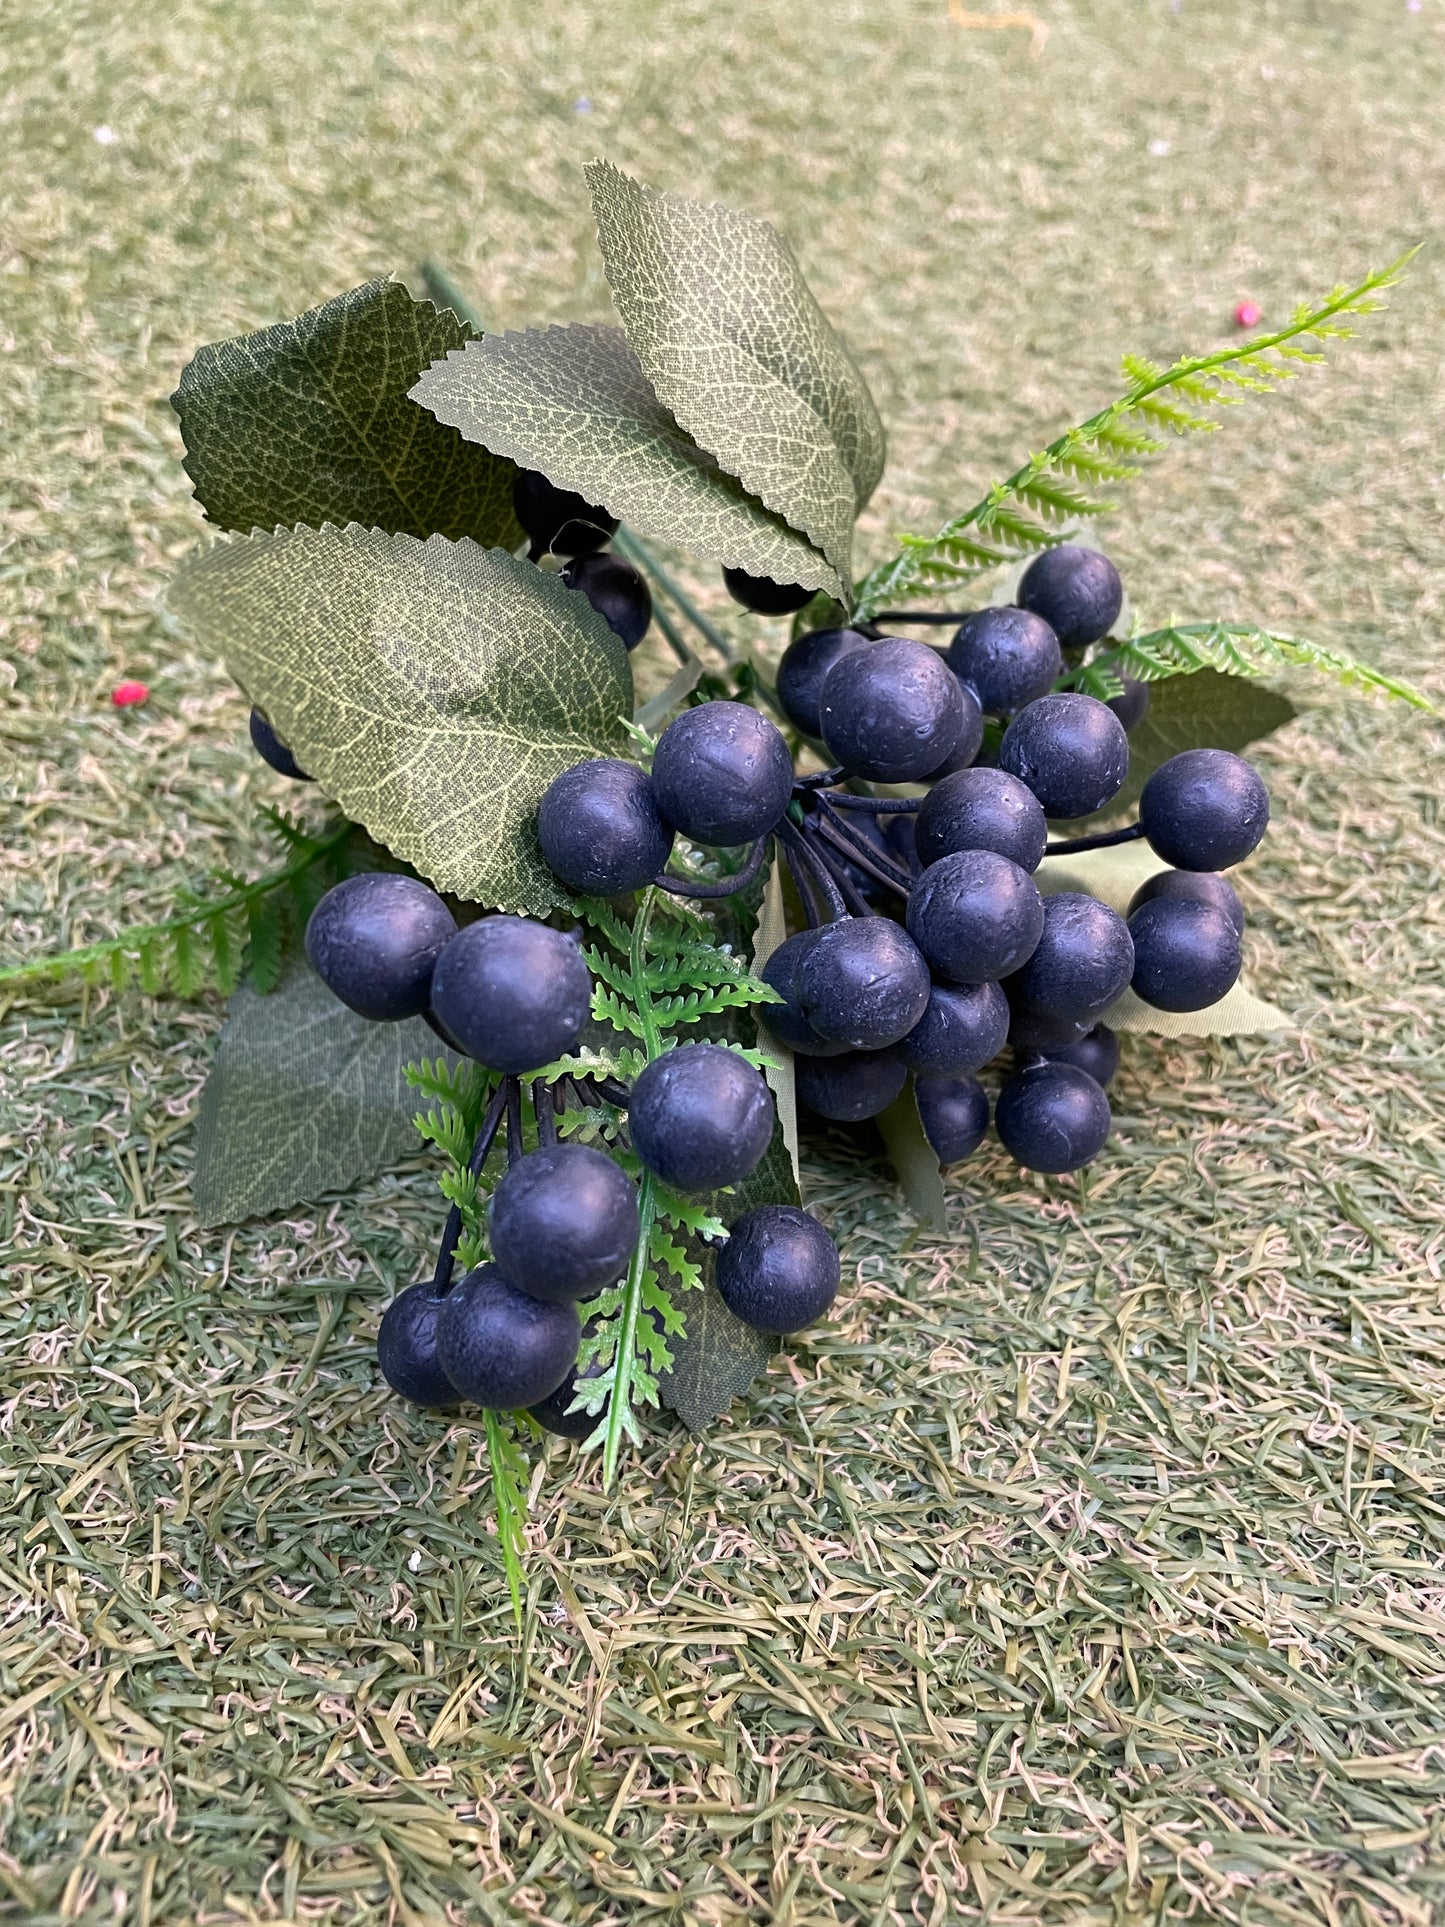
{"type": "Point", "coordinates": [1087, 1565]}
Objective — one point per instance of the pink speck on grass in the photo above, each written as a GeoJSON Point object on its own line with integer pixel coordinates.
{"type": "Point", "coordinates": [1248, 314]}
{"type": "Point", "coordinates": [126, 695]}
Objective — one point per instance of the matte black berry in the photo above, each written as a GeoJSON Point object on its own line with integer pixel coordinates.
{"type": "Point", "coordinates": [963, 1027]}
{"type": "Point", "coordinates": [849, 1088]}
{"type": "Point", "coordinates": [1077, 592]}
{"type": "Point", "coordinates": [786, 1021]}
{"type": "Point", "coordinates": [1096, 1052]}
{"type": "Point", "coordinates": [1071, 750]}
{"type": "Point", "coordinates": [1008, 656]}
{"type": "Point", "coordinates": [806, 661]}
{"type": "Point", "coordinates": [982, 809]}
{"type": "Point", "coordinates": [617, 591]}
{"type": "Point", "coordinates": [722, 774]}
{"type": "Point", "coordinates": [600, 829]}
{"type": "Point", "coordinates": [970, 739]}
{"type": "Point", "coordinates": [1204, 809]}
{"type": "Point", "coordinates": [1199, 886]}
{"type": "Point", "coordinates": [1052, 1117]}
{"type": "Point", "coordinates": [406, 1347]}
{"type": "Point", "coordinates": [1132, 706]}
{"type": "Point", "coordinates": [863, 983]}
{"type": "Point", "coordinates": [1083, 962]}
{"type": "Point", "coordinates": [502, 1348]}
{"type": "Point", "coordinates": [700, 1117]}
{"type": "Point", "coordinates": [1186, 955]}
{"type": "Point", "coordinates": [894, 712]}
{"type": "Point", "coordinates": [954, 1115]}
{"type": "Point", "coordinates": [764, 596]}
{"type": "Point", "coordinates": [778, 1270]}
{"type": "Point", "coordinates": [564, 1222]}
{"type": "Point", "coordinates": [272, 750]}
{"type": "Point", "coordinates": [552, 1415]}
{"type": "Point", "coordinates": [374, 940]}
{"type": "Point", "coordinates": [557, 521]}
{"type": "Point", "coordinates": [975, 916]}
{"type": "Point", "coordinates": [515, 994]}
{"type": "Point", "coordinates": [1031, 1031]}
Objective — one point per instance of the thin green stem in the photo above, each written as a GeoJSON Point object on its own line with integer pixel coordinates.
{"type": "Point", "coordinates": [507, 1496]}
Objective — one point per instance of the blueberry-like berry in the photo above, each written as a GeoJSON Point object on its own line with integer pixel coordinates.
{"type": "Point", "coordinates": [269, 747]}
{"type": "Point", "coordinates": [1071, 751]}
{"type": "Point", "coordinates": [849, 1088]}
{"type": "Point", "coordinates": [1096, 1052]}
{"type": "Point", "coordinates": [1052, 1117]}
{"type": "Point", "coordinates": [1186, 955]}
{"type": "Point", "coordinates": [963, 1027]}
{"type": "Point", "coordinates": [375, 940]}
{"type": "Point", "coordinates": [1199, 886]}
{"type": "Point", "coordinates": [786, 1020]}
{"type": "Point", "coordinates": [764, 596]}
{"type": "Point", "coordinates": [1008, 656]}
{"type": "Point", "coordinates": [1132, 705]}
{"type": "Point", "coordinates": [513, 993]}
{"type": "Point", "coordinates": [1204, 809]}
{"type": "Point", "coordinates": [617, 591]}
{"type": "Point", "coordinates": [982, 809]}
{"type": "Point", "coordinates": [975, 916]}
{"type": "Point", "coordinates": [722, 774]}
{"type": "Point", "coordinates": [895, 712]}
{"type": "Point", "coordinates": [1076, 591]}
{"type": "Point", "coordinates": [406, 1347]}
{"type": "Point", "coordinates": [1032, 1031]}
{"type": "Point", "coordinates": [970, 739]}
{"type": "Point", "coordinates": [552, 1415]}
{"type": "Point", "coordinates": [954, 1115]}
{"type": "Point", "coordinates": [557, 521]}
{"type": "Point", "coordinates": [1083, 962]}
{"type": "Point", "coordinates": [778, 1270]}
{"type": "Point", "coordinates": [600, 829]}
{"type": "Point", "coordinates": [805, 663]}
{"type": "Point", "coordinates": [501, 1347]}
{"type": "Point", "coordinates": [863, 983]}
{"type": "Point", "coordinates": [700, 1117]}
{"type": "Point", "coordinates": [564, 1222]}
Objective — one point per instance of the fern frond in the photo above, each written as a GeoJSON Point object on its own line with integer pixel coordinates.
{"type": "Point", "coordinates": [685, 1214]}
{"type": "Point", "coordinates": [509, 1495]}
{"type": "Point", "coordinates": [1236, 649]}
{"type": "Point", "coordinates": [667, 1252]}
{"type": "Point", "coordinates": [609, 1008]}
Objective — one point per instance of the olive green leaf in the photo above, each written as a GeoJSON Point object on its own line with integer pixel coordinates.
{"type": "Point", "coordinates": [310, 422]}
{"type": "Point", "coordinates": [434, 689]}
{"type": "Point", "coordinates": [1202, 710]}
{"type": "Point", "coordinates": [304, 1098]}
{"type": "Point", "coordinates": [737, 347]}
{"type": "Point", "coordinates": [914, 1160]}
{"type": "Point", "coordinates": [575, 403]}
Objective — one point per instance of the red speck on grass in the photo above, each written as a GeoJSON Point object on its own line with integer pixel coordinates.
{"type": "Point", "coordinates": [126, 694]}
{"type": "Point", "coordinates": [1248, 314]}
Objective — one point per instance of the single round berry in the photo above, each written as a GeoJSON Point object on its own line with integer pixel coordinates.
{"type": "Point", "coordinates": [552, 1413]}
{"type": "Point", "coordinates": [1083, 962]}
{"type": "Point", "coordinates": [1204, 809]}
{"type": "Point", "coordinates": [1186, 955]}
{"type": "Point", "coordinates": [272, 750]}
{"type": "Point", "coordinates": [722, 774]}
{"type": "Point", "coordinates": [600, 829]}
{"type": "Point", "coordinates": [1052, 1117]}
{"type": "Point", "coordinates": [557, 521]}
{"type": "Point", "coordinates": [805, 663]}
{"type": "Point", "coordinates": [564, 1222]}
{"type": "Point", "coordinates": [849, 1088]}
{"type": "Point", "coordinates": [1076, 591]}
{"type": "Point", "coordinates": [375, 940]}
{"type": "Point", "coordinates": [406, 1347]}
{"type": "Point", "coordinates": [975, 916]}
{"type": "Point", "coordinates": [700, 1117]}
{"type": "Point", "coordinates": [500, 1347]}
{"type": "Point", "coordinates": [894, 712]}
{"type": "Point", "coordinates": [1096, 1052]}
{"type": "Point", "coordinates": [900, 833]}
{"type": "Point", "coordinates": [778, 1270]}
{"type": "Point", "coordinates": [970, 740]}
{"type": "Point", "coordinates": [1071, 751]}
{"type": "Point", "coordinates": [1199, 886]}
{"type": "Point", "coordinates": [1132, 706]}
{"type": "Point", "coordinates": [617, 592]}
{"type": "Point", "coordinates": [786, 1020]}
{"type": "Point", "coordinates": [963, 1027]}
{"type": "Point", "coordinates": [1031, 1031]}
{"type": "Point", "coordinates": [764, 596]}
{"type": "Point", "coordinates": [513, 993]}
{"type": "Point", "coordinates": [954, 1115]}
{"type": "Point", "coordinates": [1008, 656]}
{"type": "Point", "coordinates": [863, 983]}
{"type": "Point", "coordinates": [982, 809]}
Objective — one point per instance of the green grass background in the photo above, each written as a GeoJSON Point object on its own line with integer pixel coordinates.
{"type": "Point", "coordinates": [1087, 1565]}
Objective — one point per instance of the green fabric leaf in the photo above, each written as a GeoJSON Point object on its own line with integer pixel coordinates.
{"type": "Point", "coordinates": [434, 689]}
{"type": "Point", "coordinates": [914, 1160]}
{"type": "Point", "coordinates": [304, 1098]}
{"type": "Point", "coordinates": [1205, 710]}
{"type": "Point", "coordinates": [737, 347]}
{"type": "Point", "coordinates": [575, 403]}
{"type": "Point", "coordinates": [310, 422]}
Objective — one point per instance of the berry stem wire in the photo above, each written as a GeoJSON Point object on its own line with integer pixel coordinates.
{"type": "Point", "coordinates": [843, 840]}
{"type": "Point", "coordinates": [824, 890]}
{"type": "Point", "coordinates": [875, 805]}
{"type": "Point", "coordinates": [485, 1138]}
{"type": "Point", "coordinates": [740, 879]}
{"type": "Point", "coordinates": [544, 1109]}
{"type": "Point", "coordinates": [939, 616]}
{"type": "Point", "coordinates": [1105, 840]}
{"type": "Point", "coordinates": [857, 903]}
